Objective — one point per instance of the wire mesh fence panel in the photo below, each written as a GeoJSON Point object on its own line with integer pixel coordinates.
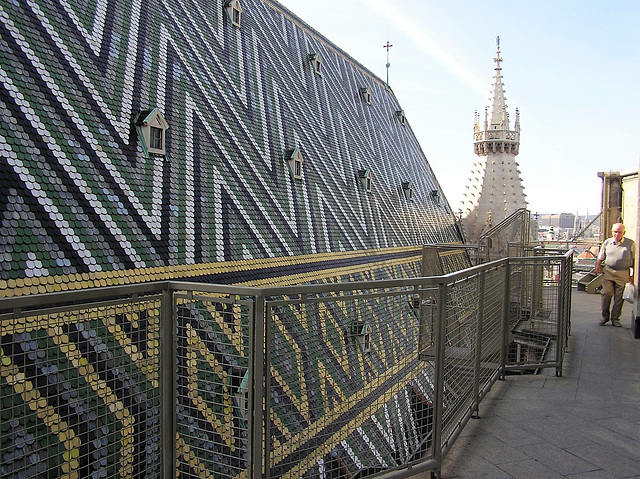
{"type": "Point", "coordinates": [535, 313]}
{"type": "Point", "coordinates": [79, 391]}
{"type": "Point", "coordinates": [212, 381]}
{"type": "Point", "coordinates": [494, 297]}
{"type": "Point", "coordinates": [348, 394]}
{"type": "Point", "coordinates": [462, 312]}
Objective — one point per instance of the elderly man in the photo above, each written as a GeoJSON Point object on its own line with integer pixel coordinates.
{"type": "Point", "coordinates": [616, 260]}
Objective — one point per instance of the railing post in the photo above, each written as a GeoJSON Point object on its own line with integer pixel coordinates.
{"type": "Point", "coordinates": [560, 325]}
{"type": "Point", "coordinates": [168, 384]}
{"type": "Point", "coordinates": [567, 298]}
{"type": "Point", "coordinates": [560, 332]}
{"type": "Point", "coordinates": [479, 339]}
{"type": "Point", "coordinates": [439, 375]}
{"type": "Point", "coordinates": [266, 391]}
{"type": "Point", "coordinates": [505, 318]}
{"type": "Point", "coordinates": [258, 457]}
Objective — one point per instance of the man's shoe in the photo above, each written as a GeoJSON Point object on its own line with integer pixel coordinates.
{"type": "Point", "coordinates": [616, 323]}
{"type": "Point", "coordinates": [603, 321]}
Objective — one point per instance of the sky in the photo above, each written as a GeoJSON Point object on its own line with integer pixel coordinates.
{"type": "Point", "coordinates": [572, 68]}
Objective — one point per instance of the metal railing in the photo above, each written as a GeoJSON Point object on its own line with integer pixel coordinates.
{"type": "Point", "coordinates": [503, 239]}
{"type": "Point", "coordinates": [193, 380]}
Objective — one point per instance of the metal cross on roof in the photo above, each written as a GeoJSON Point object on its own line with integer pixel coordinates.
{"type": "Point", "coordinates": [387, 46]}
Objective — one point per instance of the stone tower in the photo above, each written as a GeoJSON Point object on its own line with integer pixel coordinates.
{"type": "Point", "coordinates": [495, 188]}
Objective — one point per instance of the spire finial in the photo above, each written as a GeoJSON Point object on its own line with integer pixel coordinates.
{"type": "Point", "coordinates": [497, 59]}
{"type": "Point", "coordinates": [387, 46]}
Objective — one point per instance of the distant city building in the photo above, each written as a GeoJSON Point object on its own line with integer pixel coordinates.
{"type": "Point", "coordinates": [495, 188]}
{"type": "Point", "coordinates": [567, 226]}
{"type": "Point", "coordinates": [558, 220]}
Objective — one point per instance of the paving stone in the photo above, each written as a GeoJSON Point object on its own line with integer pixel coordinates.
{"type": "Point", "coordinates": [529, 469]}
{"type": "Point", "coordinates": [593, 435]}
{"type": "Point", "coordinates": [608, 459]}
{"type": "Point", "coordinates": [558, 459]}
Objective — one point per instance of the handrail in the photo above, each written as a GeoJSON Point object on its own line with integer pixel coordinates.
{"type": "Point", "coordinates": [504, 223]}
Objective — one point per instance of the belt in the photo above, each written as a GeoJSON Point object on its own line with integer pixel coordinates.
{"type": "Point", "coordinates": [617, 269]}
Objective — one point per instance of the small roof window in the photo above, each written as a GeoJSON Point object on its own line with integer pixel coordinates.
{"type": "Point", "coordinates": [435, 194]}
{"type": "Point", "coordinates": [364, 177]}
{"type": "Point", "coordinates": [152, 127]}
{"type": "Point", "coordinates": [316, 62]}
{"type": "Point", "coordinates": [407, 190]}
{"type": "Point", "coordinates": [238, 384]}
{"type": "Point", "coordinates": [365, 94]}
{"type": "Point", "coordinates": [294, 160]}
{"type": "Point", "coordinates": [401, 117]}
{"type": "Point", "coordinates": [234, 12]}
{"type": "Point", "coordinates": [362, 334]}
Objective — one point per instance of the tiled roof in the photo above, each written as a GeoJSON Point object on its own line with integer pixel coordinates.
{"type": "Point", "coordinates": [86, 202]}
{"type": "Point", "coordinates": [82, 198]}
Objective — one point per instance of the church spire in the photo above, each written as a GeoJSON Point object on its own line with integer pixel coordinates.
{"type": "Point", "coordinates": [495, 188]}
{"type": "Point", "coordinates": [495, 134]}
{"type": "Point", "coordinates": [499, 114]}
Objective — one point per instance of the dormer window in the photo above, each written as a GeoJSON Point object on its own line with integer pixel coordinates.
{"type": "Point", "coordinates": [435, 194]}
{"type": "Point", "coordinates": [238, 383]}
{"type": "Point", "coordinates": [362, 333]}
{"type": "Point", "coordinates": [414, 303]}
{"type": "Point", "coordinates": [364, 176]}
{"type": "Point", "coordinates": [294, 160]}
{"type": "Point", "coordinates": [234, 12]}
{"type": "Point", "coordinates": [401, 118]}
{"type": "Point", "coordinates": [152, 127]}
{"type": "Point", "coordinates": [365, 94]}
{"type": "Point", "coordinates": [407, 190]}
{"type": "Point", "coordinates": [316, 62]}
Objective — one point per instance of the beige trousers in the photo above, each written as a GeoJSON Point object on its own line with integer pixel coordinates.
{"type": "Point", "coordinates": [613, 283]}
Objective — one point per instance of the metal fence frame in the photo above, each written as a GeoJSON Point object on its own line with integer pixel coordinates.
{"type": "Point", "coordinates": [463, 333]}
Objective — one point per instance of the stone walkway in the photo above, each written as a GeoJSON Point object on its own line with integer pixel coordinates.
{"type": "Point", "coordinates": [585, 424]}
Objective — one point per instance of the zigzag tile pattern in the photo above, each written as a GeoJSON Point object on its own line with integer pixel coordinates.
{"type": "Point", "coordinates": [82, 197]}
{"type": "Point", "coordinates": [84, 204]}
{"type": "Point", "coordinates": [80, 393]}
{"type": "Point", "coordinates": [335, 408]}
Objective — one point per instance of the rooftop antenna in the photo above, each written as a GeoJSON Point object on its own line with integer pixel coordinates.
{"type": "Point", "coordinates": [387, 46]}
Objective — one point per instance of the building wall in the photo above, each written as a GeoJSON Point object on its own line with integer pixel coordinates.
{"type": "Point", "coordinates": [619, 202]}
{"type": "Point", "coordinates": [495, 192]}
{"type": "Point", "coordinates": [630, 205]}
